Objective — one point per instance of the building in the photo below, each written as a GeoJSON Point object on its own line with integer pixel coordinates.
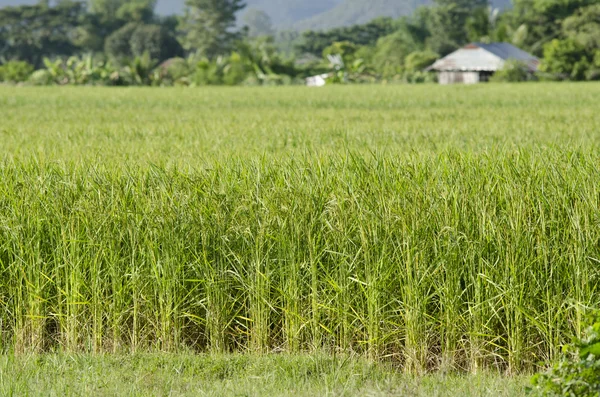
{"type": "Point", "coordinates": [317, 81]}
{"type": "Point", "coordinates": [477, 62]}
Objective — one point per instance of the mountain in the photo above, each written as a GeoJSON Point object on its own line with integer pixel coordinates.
{"type": "Point", "coordinates": [4, 3]}
{"type": "Point", "coordinates": [283, 13]}
{"type": "Point", "coordinates": [350, 12]}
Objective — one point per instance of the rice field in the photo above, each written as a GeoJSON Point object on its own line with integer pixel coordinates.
{"type": "Point", "coordinates": [435, 228]}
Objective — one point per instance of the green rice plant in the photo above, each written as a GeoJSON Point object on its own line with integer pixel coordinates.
{"type": "Point", "coordinates": [456, 261]}
{"type": "Point", "coordinates": [451, 230]}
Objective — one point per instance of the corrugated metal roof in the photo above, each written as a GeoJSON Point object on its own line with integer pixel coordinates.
{"type": "Point", "coordinates": [484, 57]}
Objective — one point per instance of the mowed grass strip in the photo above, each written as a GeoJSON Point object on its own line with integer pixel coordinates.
{"type": "Point", "coordinates": [454, 261]}
{"type": "Point", "coordinates": [233, 375]}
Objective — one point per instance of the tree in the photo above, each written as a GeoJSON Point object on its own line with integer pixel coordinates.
{"type": "Point", "coordinates": [450, 22]}
{"type": "Point", "coordinates": [117, 45]}
{"type": "Point", "coordinates": [136, 10]}
{"type": "Point", "coordinates": [584, 27]}
{"type": "Point", "coordinates": [136, 39]}
{"type": "Point", "coordinates": [367, 34]}
{"type": "Point", "coordinates": [258, 23]}
{"type": "Point", "coordinates": [156, 41]}
{"type": "Point", "coordinates": [543, 19]}
{"type": "Point", "coordinates": [344, 49]}
{"type": "Point", "coordinates": [119, 12]}
{"type": "Point", "coordinates": [390, 53]}
{"type": "Point", "coordinates": [207, 26]}
{"type": "Point", "coordinates": [419, 60]}
{"type": "Point", "coordinates": [479, 24]}
{"type": "Point", "coordinates": [567, 59]}
{"type": "Point", "coordinates": [30, 33]}
{"type": "Point", "coordinates": [108, 16]}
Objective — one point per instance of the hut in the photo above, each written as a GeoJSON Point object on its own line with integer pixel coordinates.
{"type": "Point", "coordinates": [477, 62]}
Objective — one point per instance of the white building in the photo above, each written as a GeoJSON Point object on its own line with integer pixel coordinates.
{"type": "Point", "coordinates": [317, 81]}
{"type": "Point", "coordinates": [477, 62]}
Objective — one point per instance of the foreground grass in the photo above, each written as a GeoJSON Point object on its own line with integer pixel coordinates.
{"type": "Point", "coordinates": [188, 375]}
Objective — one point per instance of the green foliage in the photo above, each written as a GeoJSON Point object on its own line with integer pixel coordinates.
{"type": "Point", "coordinates": [15, 71]}
{"type": "Point", "coordinates": [136, 10]}
{"type": "Point", "coordinates": [207, 26]}
{"type": "Point", "coordinates": [140, 71]}
{"type": "Point", "coordinates": [115, 12]}
{"type": "Point", "coordinates": [419, 60]}
{"type": "Point", "coordinates": [453, 21]}
{"type": "Point", "coordinates": [118, 44]}
{"type": "Point", "coordinates": [391, 52]}
{"type": "Point", "coordinates": [315, 42]}
{"type": "Point", "coordinates": [345, 49]}
{"type": "Point", "coordinates": [415, 64]}
{"type": "Point", "coordinates": [567, 59]}
{"type": "Point", "coordinates": [30, 33]}
{"type": "Point", "coordinates": [155, 40]}
{"type": "Point", "coordinates": [578, 373]}
{"type": "Point", "coordinates": [77, 71]}
{"type": "Point", "coordinates": [512, 72]}
{"type": "Point", "coordinates": [255, 63]}
{"type": "Point", "coordinates": [479, 24]}
{"type": "Point", "coordinates": [584, 27]}
{"type": "Point", "coordinates": [176, 71]}
{"type": "Point", "coordinates": [135, 39]}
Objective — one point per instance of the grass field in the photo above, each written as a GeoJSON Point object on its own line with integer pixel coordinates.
{"type": "Point", "coordinates": [432, 228]}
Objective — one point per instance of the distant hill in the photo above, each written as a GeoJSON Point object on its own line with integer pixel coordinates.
{"type": "Point", "coordinates": [309, 14]}
{"type": "Point", "coordinates": [287, 12]}
{"type": "Point", "coordinates": [350, 12]}
{"type": "Point", "coordinates": [4, 3]}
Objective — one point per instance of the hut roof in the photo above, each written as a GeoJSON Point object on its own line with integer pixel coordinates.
{"type": "Point", "coordinates": [480, 57]}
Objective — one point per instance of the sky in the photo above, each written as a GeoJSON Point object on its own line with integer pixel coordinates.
{"type": "Point", "coordinates": [164, 7]}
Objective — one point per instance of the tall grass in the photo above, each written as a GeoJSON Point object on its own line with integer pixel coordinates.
{"type": "Point", "coordinates": [459, 260]}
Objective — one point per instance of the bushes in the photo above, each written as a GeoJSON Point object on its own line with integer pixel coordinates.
{"type": "Point", "coordinates": [77, 71]}
{"type": "Point", "coordinates": [512, 72]}
{"type": "Point", "coordinates": [15, 71]}
{"type": "Point", "coordinates": [578, 375]}
{"type": "Point", "coordinates": [567, 59]}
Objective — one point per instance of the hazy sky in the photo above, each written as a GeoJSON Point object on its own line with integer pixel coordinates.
{"type": "Point", "coordinates": [163, 6]}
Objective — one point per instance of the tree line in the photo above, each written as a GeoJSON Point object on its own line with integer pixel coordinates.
{"type": "Point", "coordinates": [124, 42]}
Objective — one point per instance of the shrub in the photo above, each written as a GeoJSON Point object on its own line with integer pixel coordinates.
{"type": "Point", "coordinates": [419, 60]}
{"type": "Point", "coordinates": [579, 376]}
{"type": "Point", "coordinates": [41, 77]}
{"type": "Point", "coordinates": [175, 71]}
{"type": "Point", "coordinates": [566, 58]}
{"type": "Point", "coordinates": [512, 72]}
{"type": "Point", "coordinates": [15, 71]}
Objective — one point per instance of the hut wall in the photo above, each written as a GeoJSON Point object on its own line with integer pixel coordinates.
{"type": "Point", "coordinates": [458, 78]}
